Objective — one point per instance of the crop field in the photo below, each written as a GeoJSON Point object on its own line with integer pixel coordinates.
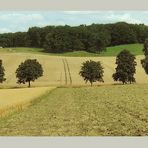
{"type": "Point", "coordinates": [16, 99]}
{"type": "Point", "coordinates": [61, 104]}
{"type": "Point", "coordinates": [59, 71]}
{"type": "Point", "coordinates": [53, 69]}
{"type": "Point", "coordinates": [115, 110]}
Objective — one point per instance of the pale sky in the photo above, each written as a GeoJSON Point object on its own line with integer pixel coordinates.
{"type": "Point", "coordinates": [13, 21]}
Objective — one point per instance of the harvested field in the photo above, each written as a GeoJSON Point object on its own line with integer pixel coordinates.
{"type": "Point", "coordinates": [16, 99]}
{"type": "Point", "coordinates": [119, 110]}
{"type": "Point", "coordinates": [62, 70]}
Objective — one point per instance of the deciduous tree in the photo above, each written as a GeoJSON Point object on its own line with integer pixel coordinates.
{"type": "Point", "coordinates": [126, 67]}
{"type": "Point", "coordinates": [28, 71]}
{"type": "Point", "coordinates": [92, 71]}
{"type": "Point", "coordinates": [2, 73]}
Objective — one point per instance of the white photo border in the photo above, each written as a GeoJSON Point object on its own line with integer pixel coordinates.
{"type": "Point", "coordinates": [73, 142]}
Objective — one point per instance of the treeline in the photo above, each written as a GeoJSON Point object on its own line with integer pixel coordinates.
{"type": "Point", "coordinates": [91, 71]}
{"type": "Point", "coordinates": [91, 38]}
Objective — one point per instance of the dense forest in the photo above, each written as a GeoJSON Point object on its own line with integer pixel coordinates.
{"type": "Point", "coordinates": [91, 38]}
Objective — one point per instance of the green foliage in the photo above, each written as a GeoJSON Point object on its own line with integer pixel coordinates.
{"type": "Point", "coordinates": [141, 31]}
{"type": "Point", "coordinates": [66, 38]}
{"type": "Point", "coordinates": [144, 63]}
{"type": "Point", "coordinates": [92, 71]}
{"type": "Point", "coordinates": [34, 36]}
{"type": "Point", "coordinates": [122, 33]}
{"type": "Point", "coordinates": [20, 39]}
{"type": "Point", "coordinates": [125, 69]}
{"type": "Point", "coordinates": [30, 70]}
{"type": "Point", "coordinates": [2, 74]}
{"type": "Point", "coordinates": [101, 38]}
{"type": "Point", "coordinates": [43, 33]}
{"type": "Point", "coordinates": [58, 40]}
{"type": "Point", "coordinates": [92, 38]}
{"type": "Point", "coordinates": [145, 49]}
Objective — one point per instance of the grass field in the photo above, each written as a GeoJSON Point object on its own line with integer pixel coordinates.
{"type": "Point", "coordinates": [62, 70]}
{"type": "Point", "coordinates": [84, 111]}
{"type": "Point", "coordinates": [136, 49]}
{"type": "Point", "coordinates": [21, 49]}
{"type": "Point", "coordinates": [16, 99]}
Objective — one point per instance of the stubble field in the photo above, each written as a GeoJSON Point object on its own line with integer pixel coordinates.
{"type": "Point", "coordinates": [119, 110]}
{"type": "Point", "coordinates": [16, 99]}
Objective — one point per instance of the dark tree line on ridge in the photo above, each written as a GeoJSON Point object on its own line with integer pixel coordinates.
{"type": "Point", "coordinates": [91, 38]}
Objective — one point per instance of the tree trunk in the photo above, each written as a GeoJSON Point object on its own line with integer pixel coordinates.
{"type": "Point", "coordinates": [29, 84]}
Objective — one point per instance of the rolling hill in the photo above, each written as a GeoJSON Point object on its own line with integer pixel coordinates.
{"type": "Point", "coordinates": [61, 105]}
{"type": "Point", "coordinates": [136, 49]}
{"type": "Point", "coordinates": [60, 70]}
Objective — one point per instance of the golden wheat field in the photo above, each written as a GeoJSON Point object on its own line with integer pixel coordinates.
{"type": "Point", "coordinates": [15, 99]}
{"type": "Point", "coordinates": [60, 70]}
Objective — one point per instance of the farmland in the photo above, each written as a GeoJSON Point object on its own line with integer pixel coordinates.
{"type": "Point", "coordinates": [61, 104]}
{"type": "Point", "coordinates": [93, 111]}
{"type": "Point", "coordinates": [15, 99]}
{"type": "Point", "coordinates": [59, 71]}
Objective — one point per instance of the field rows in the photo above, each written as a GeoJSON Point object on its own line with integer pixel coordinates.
{"type": "Point", "coordinates": [93, 111]}
{"type": "Point", "coordinates": [62, 70]}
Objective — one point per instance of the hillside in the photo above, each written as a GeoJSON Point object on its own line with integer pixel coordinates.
{"type": "Point", "coordinates": [60, 70]}
{"type": "Point", "coordinates": [136, 49]}
{"type": "Point", "coordinates": [71, 109]}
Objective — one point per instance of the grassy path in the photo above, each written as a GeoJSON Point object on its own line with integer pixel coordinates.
{"type": "Point", "coordinates": [106, 110]}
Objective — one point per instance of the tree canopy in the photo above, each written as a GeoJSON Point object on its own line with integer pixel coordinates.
{"type": "Point", "coordinates": [145, 48]}
{"type": "Point", "coordinates": [2, 73]}
{"type": "Point", "coordinates": [126, 67]}
{"type": "Point", "coordinates": [144, 63]}
{"type": "Point", "coordinates": [92, 71]}
{"type": "Point", "coordinates": [91, 38]}
{"type": "Point", "coordinates": [28, 71]}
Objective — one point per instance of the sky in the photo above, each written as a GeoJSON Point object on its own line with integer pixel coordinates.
{"type": "Point", "coordinates": [14, 21]}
